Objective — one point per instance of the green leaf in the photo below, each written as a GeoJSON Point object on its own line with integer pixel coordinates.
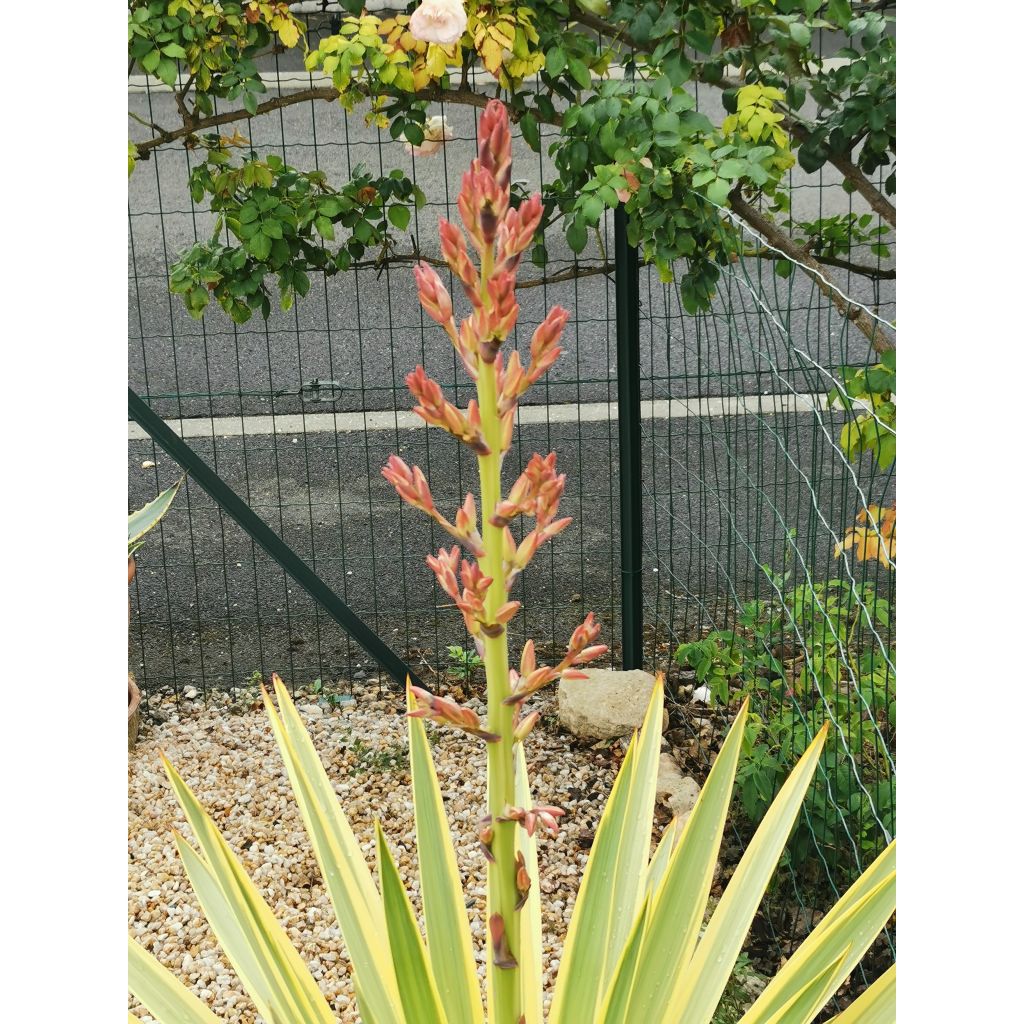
{"type": "Point", "coordinates": [144, 519]}
{"type": "Point", "coordinates": [876, 1005]}
{"type": "Point", "coordinates": [150, 61]}
{"type": "Point", "coordinates": [167, 71]}
{"type": "Point", "coordinates": [531, 132]}
{"type": "Point", "coordinates": [399, 216]}
{"type": "Point", "coordinates": [174, 50]}
{"type": "Point", "coordinates": [614, 880]}
{"type": "Point", "coordinates": [449, 945]}
{"type": "Point", "coordinates": [576, 236]}
{"type": "Point", "coordinates": [732, 168]}
{"type": "Point", "coordinates": [418, 994]}
{"type": "Point", "coordinates": [259, 246]}
{"type": "Point", "coordinates": [250, 101]}
{"type": "Point", "coordinates": [163, 995]}
{"type": "Point", "coordinates": [677, 907]}
{"type": "Point", "coordinates": [800, 33]}
{"type": "Point", "coordinates": [718, 191]}
{"type": "Point", "coordinates": [555, 61]}
{"type": "Point", "coordinates": [355, 899]}
{"type": "Point", "coordinates": [579, 72]}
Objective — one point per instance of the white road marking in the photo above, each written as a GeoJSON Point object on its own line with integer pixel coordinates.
{"type": "Point", "coordinates": [293, 424]}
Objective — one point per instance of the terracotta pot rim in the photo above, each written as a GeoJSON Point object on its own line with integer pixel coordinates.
{"type": "Point", "coordinates": [134, 697]}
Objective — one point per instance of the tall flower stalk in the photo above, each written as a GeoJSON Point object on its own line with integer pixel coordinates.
{"type": "Point", "coordinates": [480, 577]}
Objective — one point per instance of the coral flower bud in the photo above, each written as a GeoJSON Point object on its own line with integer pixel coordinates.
{"type": "Point", "coordinates": [434, 297]}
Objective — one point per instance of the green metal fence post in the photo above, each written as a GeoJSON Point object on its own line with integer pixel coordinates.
{"type": "Point", "coordinates": [274, 546]}
{"type": "Point", "coordinates": [627, 330]}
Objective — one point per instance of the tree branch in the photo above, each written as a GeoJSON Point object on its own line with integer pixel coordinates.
{"type": "Point", "coordinates": [876, 273]}
{"type": "Point", "coordinates": [433, 95]}
{"type": "Point", "coordinates": [568, 274]}
{"type": "Point", "coordinates": [856, 314]}
{"type": "Point", "coordinates": [853, 174]}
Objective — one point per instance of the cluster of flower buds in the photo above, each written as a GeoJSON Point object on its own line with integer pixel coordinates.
{"type": "Point", "coordinates": [537, 493]}
{"type": "Point", "coordinates": [514, 379]}
{"type": "Point", "coordinates": [436, 410]}
{"type": "Point", "coordinates": [532, 677]}
{"type": "Point", "coordinates": [412, 488]}
{"type": "Point", "coordinates": [529, 819]}
{"type": "Point", "coordinates": [447, 712]}
{"type": "Point", "coordinates": [500, 233]}
{"type": "Point", "coordinates": [469, 599]}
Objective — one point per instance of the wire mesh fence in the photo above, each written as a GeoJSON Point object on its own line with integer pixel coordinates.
{"type": "Point", "coordinates": [750, 487]}
{"type": "Point", "coordinates": [769, 554]}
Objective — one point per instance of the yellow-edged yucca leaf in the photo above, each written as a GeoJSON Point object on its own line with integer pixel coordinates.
{"type": "Point", "coordinates": [613, 883]}
{"type": "Point", "coordinates": [530, 939]}
{"type": "Point", "coordinates": [656, 869]}
{"type": "Point", "coordinates": [699, 986]}
{"type": "Point", "coordinates": [616, 1001]}
{"type": "Point", "coordinates": [675, 918]}
{"type": "Point", "coordinates": [268, 965]}
{"type": "Point", "coordinates": [875, 1005]}
{"type": "Point", "coordinates": [418, 993]}
{"type": "Point", "coordinates": [357, 903]}
{"type": "Point", "coordinates": [142, 520]}
{"type": "Point", "coordinates": [164, 996]}
{"type": "Point", "coordinates": [449, 943]}
{"type": "Point", "coordinates": [803, 1006]}
{"type": "Point", "coordinates": [132, 1019]}
{"type": "Point", "coordinates": [852, 924]}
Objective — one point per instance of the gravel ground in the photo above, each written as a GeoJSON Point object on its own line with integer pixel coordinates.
{"type": "Point", "coordinates": [231, 761]}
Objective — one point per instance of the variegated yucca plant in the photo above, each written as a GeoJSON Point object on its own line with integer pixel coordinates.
{"type": "Point", "coordinates": [637, 949]}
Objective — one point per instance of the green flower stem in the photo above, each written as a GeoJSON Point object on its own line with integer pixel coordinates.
{"type": "Point", "coordinates": [501, 875]}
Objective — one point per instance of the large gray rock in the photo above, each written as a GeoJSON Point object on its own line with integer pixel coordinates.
{"type": "Point", "coordinates": [677, 791]}
{"type": "Point", "coordinates": [605, 706]}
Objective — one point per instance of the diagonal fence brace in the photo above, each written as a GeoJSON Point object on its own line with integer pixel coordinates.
{"type": "Point", "coordinates": [271, 543]}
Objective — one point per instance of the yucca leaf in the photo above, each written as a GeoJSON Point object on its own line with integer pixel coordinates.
{"type": "Point", "coordinates": [675, 918]}
{"type": "Point", "coordinates": [803, 1006]}
{"type": "Point", "coordinates": [164, 996]}
{"type": "Point", "coordinates": [659, 862]}
{"type": "Point", "coordinates": [268, 966]}
{"type": "Point", "coordinates": [449, 943]}
{"type": "Point", "coordinates": [613, 882]}
{"type": "Point", "coordinates": [699, 986]}
{"type": "Point", "coordinates": [144, 519]}
{"type": "Point", "coordinates": [530, 939]}
{"type": "Point", "coordinates": [357, 903]}
{"type": "Point", "coordinates": [616, 1003]}
{"type": "Point", "coordinates": [420, 1001]}
{"type": "Point", "coordinates": [853, 922]}
{"type": "Point", "coordinates": [875, 1005]}
{"type": "Point", "coordinates": [132, 1019]}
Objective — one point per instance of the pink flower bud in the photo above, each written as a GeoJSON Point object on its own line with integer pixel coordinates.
{"type": "Point", "coordinates": [495, 146]}
{"type": "Point", "coordinates": [524, 728]}
{"type": "Point", "coordinates": [517, 230]}
{"type": "Point", "coordinates": [446, 712]}
{"type": "Point", "coordinates": [502, 955]}
{"type": "Point", "coordinates": [456, 255]}
{"type": "Point", "coordinates": [436, 410]}
{"type": "Point", "coordinates": [434, 297]}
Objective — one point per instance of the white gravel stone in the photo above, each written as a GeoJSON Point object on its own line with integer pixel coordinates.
{"type": "Point", "coordinates": [232, 764]}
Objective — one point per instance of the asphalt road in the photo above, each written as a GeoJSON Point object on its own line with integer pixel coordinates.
{"type": "Point", "coordinates": [213, 608]}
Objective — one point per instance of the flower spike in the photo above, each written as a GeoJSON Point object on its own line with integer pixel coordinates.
{"type": "Point", "coordinates": [447, 712]}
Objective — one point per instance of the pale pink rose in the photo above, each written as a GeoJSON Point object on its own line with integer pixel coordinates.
{"type": "Point", "coordinates": [439, 21]}
{"type": "Point", "coordinates": [436, 132]}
